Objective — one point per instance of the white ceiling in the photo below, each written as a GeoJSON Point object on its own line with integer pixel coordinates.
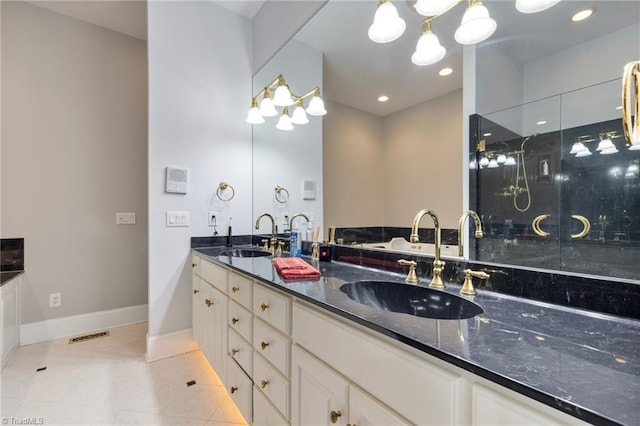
{"type": "Point", "coordinates": [357, 70]}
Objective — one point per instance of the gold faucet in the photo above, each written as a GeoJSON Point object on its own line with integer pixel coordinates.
{"type": "Point", "coordinates": [273, 241]}
{"type": "Point", "coordinates": [438, 265]}
{"type": "Point", "coordinates": [302, 215]}
{"type": "Point", "coordinates": [478, 234]}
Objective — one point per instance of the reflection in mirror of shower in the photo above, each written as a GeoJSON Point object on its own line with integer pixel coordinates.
{"type": "Point", "coordinates": [516, 189]}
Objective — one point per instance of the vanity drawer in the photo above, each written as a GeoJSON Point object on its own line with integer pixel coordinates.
{"type": "Point", "coordinates": [214, 275]}
{"type": "Point", "coordinates": [241, 351]}
{"type": "Point", "coordinates": [240, 389]}
{"type": "Point", "coordinates": [240, 289]}
{"type": "Point", "coordinates": [240, 320]}
{"type": "Point", "coordinates": [271, 383]}
{"type": "Point", "coordinates": [272, 345]}
{"type": "Point", "coordinates": [195, 264]}
{"type": "Point", "coordinates": [272, 307]}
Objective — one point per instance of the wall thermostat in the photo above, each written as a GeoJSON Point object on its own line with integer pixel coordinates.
{"type": "Point", "coordinates": [308, 189]}
{"type": "Point", "coordinates": [177, 180]}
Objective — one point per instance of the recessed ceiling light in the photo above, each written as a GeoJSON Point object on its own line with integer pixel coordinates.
{"type": "Point", "coordinates": [383, 98]}
{"type": "Point", "coordinates": [486, 134]}
{"type": "Point", "coordinates": [619, 107]}
{"type": "Point", "coordinates": [541, 122]}
{"type": "Point", "coordinates": [445, 71]}
{"type": "Point", "coordinates": [583, 14]}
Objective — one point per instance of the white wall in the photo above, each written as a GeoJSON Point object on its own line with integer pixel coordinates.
{"type": "Point", "coordinates": [199, 93]}
{"type": "Point", "coordinates": [73, 154]}
{"type": "Point", "coordinates": [285, 158]}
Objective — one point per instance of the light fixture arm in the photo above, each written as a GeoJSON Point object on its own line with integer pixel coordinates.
{"type": "Point", "coordinates": [279, 80]}
{"type": "Point", "coordinates": [315, 92]}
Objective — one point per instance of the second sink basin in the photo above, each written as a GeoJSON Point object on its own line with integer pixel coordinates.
{"type": "Point", "coordinates": [245, 253]}
{"type": "Point", "coordinates": [411, 299]}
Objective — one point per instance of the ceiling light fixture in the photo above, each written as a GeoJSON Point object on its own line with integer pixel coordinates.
{"type": "Point", "coordinates": [283, 97]}
{"type": "Point", "coordinates": [541, 122]}
{"type": "Point", "coordinates": [583, 14]}
{"type": "Point", "coordinates": [387, 24]}
{"type": "Point", "coordinates": [445, 72]}
{"type": "Point", "coordinates": [476, 24]}
{"type": "Point", "coordinates": [383, 98]}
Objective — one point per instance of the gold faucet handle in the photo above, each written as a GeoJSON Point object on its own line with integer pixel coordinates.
{"type": "Point", "coordinates": [467, 286]}
{"type": "Point", "coordinates": [265, 246]}
{"type": "Point", "coordinates": [279, 248]}
{"type": "Point", "coordinates": [314, 251]}
{"type": "Point", "coordinates": [436, 280]}
{"type": "Point", "coordinates": [412, 277]}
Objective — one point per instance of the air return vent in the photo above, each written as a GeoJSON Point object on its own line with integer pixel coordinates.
{"type": "Point", "coordinates": [88, 337]}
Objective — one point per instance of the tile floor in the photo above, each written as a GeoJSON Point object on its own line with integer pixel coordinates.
{"type": "Point", "coordinates": [106, 381]}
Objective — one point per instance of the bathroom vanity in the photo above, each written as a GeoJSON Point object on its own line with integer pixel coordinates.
{"type": "Point", "coordinates": [304, 352]}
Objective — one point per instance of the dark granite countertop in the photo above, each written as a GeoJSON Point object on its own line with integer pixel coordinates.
{"type": "Point", "coordinates": [582, 363]}
{"type": "Point", "coordinates": [7, 276]}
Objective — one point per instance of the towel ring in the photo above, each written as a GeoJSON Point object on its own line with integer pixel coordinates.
{"type": "Point", "coordinates": [536, 225]}
{"type": "Point", "coordinates": [586, 226]}
{"type": "Point", "coordinates": [221, 188]}
{"type": "Point", "coordinates": [282, 195]}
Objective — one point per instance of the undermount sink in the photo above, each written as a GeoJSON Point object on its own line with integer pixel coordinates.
{"type": "Point", "coordinates": [245, 253]}
{"type": "Point", "coordinates": [411, 299]}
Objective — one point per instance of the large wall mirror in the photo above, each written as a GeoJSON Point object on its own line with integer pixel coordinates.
{"type": "Point", "coordinates": [378, 163]}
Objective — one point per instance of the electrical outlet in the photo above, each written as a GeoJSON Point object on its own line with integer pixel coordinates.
{"type": "Point", "coordinates": [55, 300]}
{"type": "Point", "coordinates": [213, 218]}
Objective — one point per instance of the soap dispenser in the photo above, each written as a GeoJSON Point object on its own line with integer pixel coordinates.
{"type": "Point", "coordinates": [295, 241]}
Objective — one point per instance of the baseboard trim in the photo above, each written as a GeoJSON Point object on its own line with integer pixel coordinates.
{"type": "Point", "coordinates": [43, 331]}
{"type": "Point", "coordinates": [170, 344]}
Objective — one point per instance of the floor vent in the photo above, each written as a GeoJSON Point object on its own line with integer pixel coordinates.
{"type": "Point", "coordinates": [88, 337]}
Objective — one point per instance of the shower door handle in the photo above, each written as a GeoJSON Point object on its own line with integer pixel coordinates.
{"type": "Point", "coordinates": [535, 224]}
{"type": "Point", "coordinates": [586, 226]}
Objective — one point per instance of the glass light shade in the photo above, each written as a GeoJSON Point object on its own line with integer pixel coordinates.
{"type": "Point", "coordinates": [387, 25]}
{"type": "Point", "coordinates": [484, 162]}
{"type": "Point", "coordinates": [254, 116]}
{"type": "Point", "coordinates": [635, 147]}
{"type": "Point", "coordinates": [284, 123]}
{"type": "Point", "coordinates": [282, 96]}
{"type": "Point", "coordinates": [502, 159]}
{"type": "Point", "coordinates": [267, 108]}
{"type": "Point", "coordinates": [510, 161]}
{"type": "Point", "coordinates": [428, 50]}
{"type": "Point", "coordinates": [608, 151]}
{"type": "Point", "coordinates": [493, 163]}
{"type": "Point", "coordinates": [434, 7]}
{"type": "Point", "coordinates": [605, 144]}
{"type": "Point", "coordinates": [476, 25]}
{"type": "Point", "coordinates": [584, 153]}
{"type": "Point", "coordinates": [473, 165]}
{"type": "Point", "coordinates": [534, 6]}
{"type": "Point", "coordinates": [316, 106]}
{"type": "Point", "coordinates": [629, 175]}
{"type": "Point", "coordinates": [577, 147]}
{"type": "Point", "coordinates": [299, 116]}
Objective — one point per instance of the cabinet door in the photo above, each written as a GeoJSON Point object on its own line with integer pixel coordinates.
{"type": "Point", "coordinates": [265, 414]}
{"type": "Point", "coordinates": [196, 309]}
{"type": "Point", "coordinates": [319, 395]}
{"type": "Point", "coordinates": [215, 322]}
{"type": "Point", "coordinates": [366, 411]}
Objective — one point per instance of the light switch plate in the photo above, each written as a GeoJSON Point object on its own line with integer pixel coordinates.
{"type": "Point", "coordinates": [125, 218]}
{"type": "Point", "coordinates": [177, 218]}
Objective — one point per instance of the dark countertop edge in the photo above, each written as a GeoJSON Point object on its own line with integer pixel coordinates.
{"type": "Point", "coordinates": [559, 404]}
{"type": "Point", "coordinates": [7, 276]}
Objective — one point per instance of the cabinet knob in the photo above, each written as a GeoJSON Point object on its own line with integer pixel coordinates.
{"type": "Point", "coordinates": [264, 306]}
{"type": "Point", "coordinates": [264, 345]}
{"type": "Point", "coordinates": [235, 289]}
{"type": "Point", "coordinates": [264, 383]}
{"type": "Point", "coordinates": [196, 291]}
{"type": "Point", "coordinates": [234, 320]}
{"type": "Point", "coordinates": [233, 389]}
{"type": "Point", "coordinates": [234, 351]}
{"type": "Point", "coordinates": [209, 302]}
{"type": "Point", "coordinates": [193, 265]}
{"type": "Point", "coordinates": [335, 415]}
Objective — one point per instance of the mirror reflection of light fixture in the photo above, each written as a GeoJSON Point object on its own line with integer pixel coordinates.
{"type": "Point", "coordinates": [577, 147]}
{"type": "Point", "coordinates": [493, 163]}
{"type": "Point", "coordinates": [387, 24]}
{"type": "Point", "coordinates": [534, 6]}
{"type": "Point", "coordinates": [484, 162]}
{"type": "Point", "coordinates": [284, 123]}
{"type": "Point", "coordinates": [284, 97]}
{"type": "Point", "coordinates": [502, 159]}
{"type": "Point", "coordinates": [510, 161]}
{"type": "Point", "coordinates": [584, 153]}
{"type": "Point", "coordinates": [473, 165]}
{"type": "Point", "coordinates": [428, 49]}
{"type": "Point", "coordinates": [476, 24]}
{"type": "Point", "coordinates": [605, 143]}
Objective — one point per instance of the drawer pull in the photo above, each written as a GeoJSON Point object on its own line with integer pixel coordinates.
{"type": "Point", "coordinates": [233, 389]}
{"type": "Point", "coordinates": [235, 289]}
{"type": "Point", "coordinates": [209, 302]}
{"type": "Point", "coordinates": [264, 345]}
{"type": "Point", "coordinates": [264, 307]}
{"type": "Point", "coordinates": [196, 291]}
{"type": "Point", "coordinates": [193, 265]}
{"type": "Point", "coordinates": [234, 351]}
{"type": "Point", "coordinates": [264, 383]}
{"type": "Point", "coordinates": [234, 320]}
{"type": "Point", "coordinates": [335, 415]}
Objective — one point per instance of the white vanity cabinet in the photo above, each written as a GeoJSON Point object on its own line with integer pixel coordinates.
{"type": "Point", "coordinates": [9, 318]}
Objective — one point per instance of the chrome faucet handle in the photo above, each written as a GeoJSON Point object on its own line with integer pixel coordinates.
{"type": "Point", "coordinates": [467, 287]}
{"type": "Point", "coordinates": [280, 244]}
{"type": "Point", "coordinates": [265, 245]}
{"type": "Point", "coordinates": [436, 280]}
{"type": "Point", "coordinates": [412, 277]}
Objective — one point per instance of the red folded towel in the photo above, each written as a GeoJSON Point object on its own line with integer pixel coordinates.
{"type": "Point", "coordinates": [294, 267]}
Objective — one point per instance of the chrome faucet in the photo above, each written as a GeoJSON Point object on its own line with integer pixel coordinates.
{"type": "Point", "coordinates": [273, 241]}
{"type": "Point", "coordinates": [438, 265]}
{"type": "Point", "coordinates": [302, 215]}
{"type": "Point", "coordinates": [478, 234]}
